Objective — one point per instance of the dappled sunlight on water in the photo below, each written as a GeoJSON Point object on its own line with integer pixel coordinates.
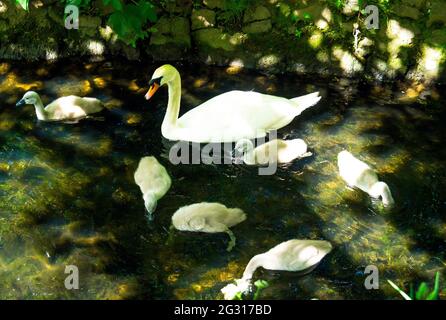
{"type": "Point", "coordinates": [67, 194]}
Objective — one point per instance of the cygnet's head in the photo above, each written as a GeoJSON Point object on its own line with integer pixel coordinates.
{"type": "Point", "coordinates": [29, 97]}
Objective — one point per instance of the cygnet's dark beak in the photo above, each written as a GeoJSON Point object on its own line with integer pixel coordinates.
{"type": "Point", "coordinates": [149, 217]}
{"type": "Point", "coordinates": [20, 103]}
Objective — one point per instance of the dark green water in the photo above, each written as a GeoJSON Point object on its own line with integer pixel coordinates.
{"type": "Point", "coordinates": [67, 195]}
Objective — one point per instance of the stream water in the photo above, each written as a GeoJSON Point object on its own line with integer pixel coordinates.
{"type": "Point", "coordinates": [67, 194]}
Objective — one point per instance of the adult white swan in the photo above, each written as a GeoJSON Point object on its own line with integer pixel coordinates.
{"type": "Point", "coordinates": [64, 108]}
{"type": "Point", "coordinates": [358, 174]}
{"type": "Point", "coordinates": [228, 117]}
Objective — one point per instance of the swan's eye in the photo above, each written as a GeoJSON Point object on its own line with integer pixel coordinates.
{"type": "Point", "coordinates": [156, 80]}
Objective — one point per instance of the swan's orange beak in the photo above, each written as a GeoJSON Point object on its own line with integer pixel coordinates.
{"type": "Point", "coordinates": [155, 86]}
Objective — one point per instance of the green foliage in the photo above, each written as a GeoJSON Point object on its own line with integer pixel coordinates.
{"type": "Point", "coordinates": [233, 11]}
{"type": "Point", "coordinates": [116, 4]}
{"type": "Point", "coordinates": [298, 33]}
{"type": "Point", "coordinates": [383, 5]}
{"type": "Point", "coordinates": [128, 21]}
{"type": "Point", "coordinates": [77, 3]}
{"type": "Point", "coordinates": [23, 3]}
{"type": "Point", "coordinates": [289, 21]}
{"type": "Point", "coordinates": [338, 4]}
{"type": "Point", "coordinates": [422, 292]}
{"type": "Point", "coordinates": [260, 285]}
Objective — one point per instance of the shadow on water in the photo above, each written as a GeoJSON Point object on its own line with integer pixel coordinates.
{"type": "Point", "coordinates": [67, 194]}
{"type": "Point", "coordinates": [418, 180]}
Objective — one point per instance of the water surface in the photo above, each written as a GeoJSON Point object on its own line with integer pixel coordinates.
{"type": "Point", "coordinates": [67, 195]}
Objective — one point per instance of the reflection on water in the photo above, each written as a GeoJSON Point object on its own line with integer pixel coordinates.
{"type": "Point", "coordinates": [67, 195]}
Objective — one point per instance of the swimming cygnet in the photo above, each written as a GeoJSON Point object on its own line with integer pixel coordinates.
{"type": "Point", "coordinates": [274, 151]}
{"type": "Point", "coordinates": [153, 180]}
{"type": "Point", "coordinates": [64, 108]}
{"type": "Point", "coordinates": [358, 174]}
{"type": "Point", "coordinates": [208, 217]}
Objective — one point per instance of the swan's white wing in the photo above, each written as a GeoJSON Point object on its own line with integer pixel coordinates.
{"type": "Point", "coordinates": [64, 108]}
{"type": "Point", "coordinates": [355, 172]}
{"type": "Point", "coordinates": [236, 115]}
{"type": "Point", "coordinates": [207, 217]}
{"type": "Point", "coordinates": [296, 255]}
{"type": "Point", "coordinates": [72, 107]}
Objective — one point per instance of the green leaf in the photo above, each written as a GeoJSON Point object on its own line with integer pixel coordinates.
{"type": "Point", "coordinates": [297, 33]}
{"type": "Point", "coordinates": [394, 286]}
{"type": "Point", "coordinates": [238, 296]}
{"type": "Point", "coordinates": [339, 4]}
{"type": "Point", "coordinates": [260, 285]}
{"type": "Point", "coordinates": [307, 16]}
{"type": "Point", "coordinates": [434, 294]}
{"type": "Point", "coordinates": [422, 291]}
{"type": "Point", "coordinates": [23, 4]}
{"type": "Point", "coordinates": [128, 23]}
{"type": "Point", "coordinates": [146, 10]}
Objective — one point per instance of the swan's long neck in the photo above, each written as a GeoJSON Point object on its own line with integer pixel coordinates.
{"type": "Point", "coordinates": [173, 106]}
{"type": "Point", "coordinates": [381, 189]}
{"type": "Point", "coordinates": [40, 110]}
{"type": "Point", "coordinates": [254, 263]}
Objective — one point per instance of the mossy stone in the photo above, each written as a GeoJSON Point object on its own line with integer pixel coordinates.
{"type": "Point", "coordinates": [258, 27]}
{"type": "Point", "coordinates": [404, 11]}
{"type": "Point", "coordinates": [202, 18]}
{"type": "Point", "coordinates": [256, 14]}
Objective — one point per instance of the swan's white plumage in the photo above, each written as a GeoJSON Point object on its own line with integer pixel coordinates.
{"type": "Point", "coordinates": [153, 180]}
{"type": "Point", "coordinates": [358, 174]}
{"type": "Point", "coordinates": [291, 255]}
{"type": "Point", "coordinates": [274, 151]}
{"type": "Point", "coordinates": [209, 217]}
{"type": "Point", "coordinates": [64, 108]}
{"type": "Point", "coordinates": [228, 117]}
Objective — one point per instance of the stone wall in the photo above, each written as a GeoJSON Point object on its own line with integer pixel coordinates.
{"type": "Point", "coordinates": [300, 36]}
